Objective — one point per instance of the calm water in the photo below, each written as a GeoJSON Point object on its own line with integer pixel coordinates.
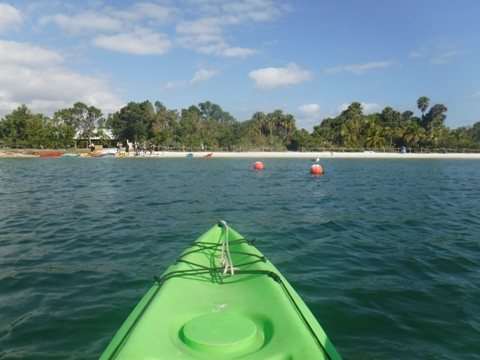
{"type": "Point", "coordinates": [386, 253]}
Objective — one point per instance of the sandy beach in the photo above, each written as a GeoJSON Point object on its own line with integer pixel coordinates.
{"type": "Point", "coordinates": [6, 153]}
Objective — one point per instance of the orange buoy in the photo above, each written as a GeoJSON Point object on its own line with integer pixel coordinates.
{"type": "Point", "coordinates": [258, 166]}
{"type": "Point", "coordinates": [316, 169]}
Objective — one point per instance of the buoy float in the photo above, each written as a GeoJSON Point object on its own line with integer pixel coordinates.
{"type": "Point", "coordinates": [316, 169]}
{"type": "Point", "coordinates": [258, 165]}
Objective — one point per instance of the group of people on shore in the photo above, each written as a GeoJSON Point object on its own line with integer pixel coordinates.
{"type": "Point", "coordinates": [136, 147]}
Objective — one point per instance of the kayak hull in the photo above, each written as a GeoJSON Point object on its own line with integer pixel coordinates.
{"type": "Point", "coordinates": [52, 154]}
{"type": "Point", "coordinates": [194, 311]}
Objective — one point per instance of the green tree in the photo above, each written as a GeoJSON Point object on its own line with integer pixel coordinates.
{"type": "Point", "coordinates": [413, 133]}
{"type": "Point", "coordinates": [14, 125]}
{"type": "Point", "coordinates": [133, 122]}
{"type": "Point", "coordinates": [39, 132]}
{"type": "Point", "coordinates": [474, 132]}
{"type": "Point", "coordinates": [349, 132]}
{"type": "Point", "coordinates": [85, 119]}
{"type": "Point", "coordinates": [436, 136]}
{"type": "Point", "coordinates": [435, 116]}
{"type": "Point", "coordinates": [165, 125]}
{"type": "Point", "coordinates": [422, 103]}
{"type": "Point", "coordinates": [375, 137]}
{"type": "Point", "coordinates": [189, 127]}
{"type": "Point", "coordinates": [459, 138]}
{"type": "Point", "coordinates": [353, 112]}
{"type": "Point", "coordinates": [390, 116]}
{"type": "Point", "coordinates": [301, 140]}
{"type": "Point", "coordinates": [211, 110]}
{"type": "Point", "coordinates": [392, 132]}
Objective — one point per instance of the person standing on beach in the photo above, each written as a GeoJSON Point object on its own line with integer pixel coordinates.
{"type": "Point", "coordinates": [92, 147]}
{"type": "Point", "coordinates": [127, 148]}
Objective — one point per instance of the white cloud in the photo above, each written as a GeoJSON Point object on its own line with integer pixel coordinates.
{"type": "Point", "coordinates": [205, 36]}
{"type": "Point", "coordinates": [201, 76]}
{"type": "Point", "coordinates": [238, 52]}
{"type": "Point", "coordinates": [476, 95]}
{"type": "Point", "coordinates": [439, 51]}
{"type": "Point", "coordinates": [309, 112]}
{"type": "Point", "coordinates": [444, 57]}
{"type": "Point", "coordinates": [144, 10]}
{"type": "Point", "coordinates": [271, 78]}
{"type": "Point", "coordinates": [361, 68]}
{"type": "Point", "coordinates": [173, 85]}
{"type": "Point", "coordinates": [140, 42]}
{"type": "Point", "coordinates": [12, 52]}
{"type": "Point", "coordinates": [257, 11]}
{"type": "Point", "coordinates": [200, 27]}
{"type": "Point", "coordinates": [31, 75]}
{"type": "Point", "coordinates": [206, 33]}
{"type": "Point", "coordinates": [88, 21]}
{"type": "Point", "coordinates": [218, 48]}
{"type": "Point", "coordinates": [369, 108]}
{"type": "Point", "coordinates": [10, 17]}
{"type": "Point", "coordinates": [95, 3]}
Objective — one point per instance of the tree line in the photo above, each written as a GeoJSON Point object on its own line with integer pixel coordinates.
{"type": "Point", "coordinates": [209, 125]}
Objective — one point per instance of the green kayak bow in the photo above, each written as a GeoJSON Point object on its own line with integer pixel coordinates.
{"type": "Point", "coordinates": [221, 299]}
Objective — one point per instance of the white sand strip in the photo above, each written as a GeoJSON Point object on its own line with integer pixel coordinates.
{"type": "Point", "coordinates": [259, 155]}
{"type": "Point", "coordinates": [311, 155]}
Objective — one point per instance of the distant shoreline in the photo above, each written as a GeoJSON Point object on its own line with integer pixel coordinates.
{"type": "Point", "coordinates": [6, 153]}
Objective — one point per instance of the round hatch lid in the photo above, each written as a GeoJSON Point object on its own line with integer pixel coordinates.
{"type": "Point", "coordinates": [220, 333]}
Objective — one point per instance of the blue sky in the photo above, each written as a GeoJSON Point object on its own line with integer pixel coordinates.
{"type": "Point", "coordinates": [309, 58]}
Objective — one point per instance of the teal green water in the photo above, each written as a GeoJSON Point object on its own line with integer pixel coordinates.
{"type": "Point", "coordinates": [386, 253]}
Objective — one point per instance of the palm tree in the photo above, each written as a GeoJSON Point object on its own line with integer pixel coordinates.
{"type": "Point", "coordinates": [354, 111]}
{"type": "Point", "coordinates": [259, 120]}
{"type": "Point", "coordinates": [422, 103]}
{"type": "Point", "coordinates": [458, 137]}
{"type": "Point", "coordinates": [436, 135]}
{"type": "Point", "coordinates": [392, 131]}
{"type": "Point", "coordinates": [288, 123]}
{"type": "Point", "coordinates": [375, 138]}
{"type": "Point", "coordinates": [349, 132]}
{"type": "Point", "coordinates": [414, 132]}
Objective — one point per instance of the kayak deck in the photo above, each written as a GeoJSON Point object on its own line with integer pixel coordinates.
{"type": "Point", "coordinates": [198, 310]}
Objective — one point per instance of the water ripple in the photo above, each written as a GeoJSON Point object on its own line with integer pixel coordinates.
{"type": "Point", "coordinates": [385, 253]}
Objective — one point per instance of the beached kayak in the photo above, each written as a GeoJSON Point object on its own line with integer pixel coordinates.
{"type": "Point", "coordinates": [52, 154]}
{"type": "Point", "coordinates": [221, 299]}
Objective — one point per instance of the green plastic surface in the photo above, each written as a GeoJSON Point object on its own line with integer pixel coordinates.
{"type": "Point", "coordinates": [210, 315]}
{"type": "Point", "coordinates": [220, 333]}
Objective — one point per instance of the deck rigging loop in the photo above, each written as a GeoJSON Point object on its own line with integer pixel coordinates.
{"type": "Point", "coordinates": [226, 260]}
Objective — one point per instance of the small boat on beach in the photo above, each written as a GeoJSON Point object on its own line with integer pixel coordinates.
{"type": "Point", "coordinates": [189, 155]}
{"type": "Point", "coordinates": [52, 154]}
{"type": "Point", "coordinates": [221, 299]}
{"type": "Point", "coordinates": [208, 155]}
{"type": "Point", "coordinates": [95, 153]}
{"type": "Point", "coordinates": [70, 155]}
